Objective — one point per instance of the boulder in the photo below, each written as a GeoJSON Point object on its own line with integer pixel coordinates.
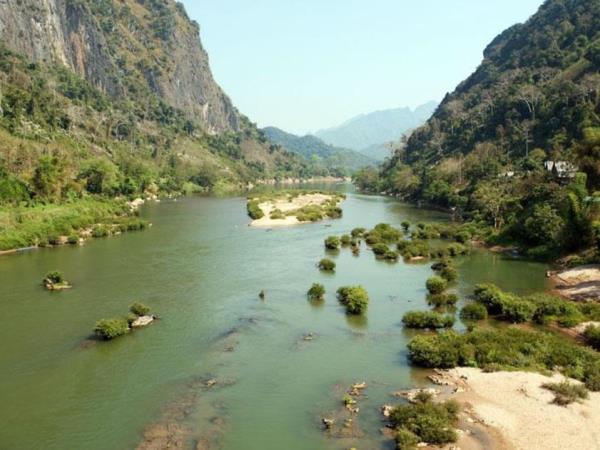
{"type": "Point", "coordinates": [142, 321]}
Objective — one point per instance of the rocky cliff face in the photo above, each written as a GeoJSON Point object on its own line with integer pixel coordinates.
{"type": "Point", "coordinates": [129, 49]}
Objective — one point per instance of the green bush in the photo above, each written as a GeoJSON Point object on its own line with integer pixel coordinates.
{"type": "Point", "coordinates": [462, 236]}
{"type": "Point", "coordinates": [490, 296]}
{"type": "Point", "coordinates": [473, 311]}
{"type": "Point", "coordinates": [73, 239]}
{"type": "Point", "coordinates": [440, 300]}
{"type": "Point", "coordinates": [429, 422]}
{"type": "Point", "coordinates": [413, 249]}
{"type": "Point", "coordinates": [111, 328]}
{"type": "Point", "coordinates": [139, 309]}
{"type": "Point", "coordinates": [254, 210]}
{"type": "Point", "coordinates": [354, 298]}
{"type": "Point", "coordinates": [358, 232]}
{"type": "Point", "coordinates": [346, 240]}
{"type": "Point", "coordinates": [391, 255]}
{"type": "Point", "coordinates": [427, 320]}
{"type": "Point", "coordinates": [436, 285]}
{"type": "Point", "coordinates": [380, 249]}
{"type": "Point", "coordinates": [55, 277]}
{"type": "Point", "coordinates": [316, 292]}
{"type": "Point", "coordinates": [592, 336]}
{"type": "Point", "coordinates": [449, 273]}
{"type": "Point", "coordinates": [566, 392]}
{"type": "Point", "coordinates": [332, 243]}
{"type": "Point", "coordinates": [387, 233]}
{"type": "Point", "coordinates": [507, 349]}
{"type": "Point", "coordinates": [516, 310]}
{"type": "Point", "coordinates": [405, 226]}
{"type": "Point", "coordinates": [327, 265]}
{"type": "Point", "coordinates": [100, 231]}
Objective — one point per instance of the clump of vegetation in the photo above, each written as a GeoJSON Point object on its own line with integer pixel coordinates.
{"type": "Point", "coordinates": [436, 285]}
{"type": "Point", "coordinates": [425, 421]}
{"type": "Point", "coordinates": [316, 292]}
{"type": "Point", "coordinates": [332, 243]}
{"type": "Point", "coordinates": [277, 214]}
{"type": "Point", "coordinates": [391, 256]}
{"type": "Point", "coordinates": [592, 336]}
{"type": "Point", "coordinates": [55, 280]}
{"type": "Point", "coordinates": [346, 240]}
{"type": "Point", "coordinates": [108, 329]}
{"type": "Point", "coordinates": [358, 232]}
{"type": "Point", "coordinates": [413, 249]}
{"type": "Point", "coordinates": [473, 311]}
{"type": "Point", "coordinates": [566, 392]}
{"type": "Point", "coordinates": [139, 309]}
{"type": "Point", "coordinates": [254, 210]}
{"type": "Point", "coordinates": [354, 298]}
{"type": "Point", "coordinates": [427, 320]}
{"type": "Point", "coordinates": [382, 233]}
{"type": "Point", "coordinates": [73, 239]}
{"type": "Point", "coordinates": [380, 249]}
{"type": "Point", "coordinates": [507, 349]}
{"type": "Point", "coordinates": [441, 300]}
{"type": "Point", "coordinates": [326, 265]}
{"type": "Point", "coordinates": [539, 308]}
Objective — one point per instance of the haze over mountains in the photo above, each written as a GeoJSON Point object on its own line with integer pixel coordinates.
{"type": "Point", "coordinates": [368, 133]}
{"type": "Point", "coordinates": [324, 158]}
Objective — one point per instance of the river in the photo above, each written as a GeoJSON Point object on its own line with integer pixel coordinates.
{"type": "Point", "coordinates": [201, 268]}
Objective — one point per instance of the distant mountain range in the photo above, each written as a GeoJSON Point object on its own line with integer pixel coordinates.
{"type": "Point", "coordinates": [332, 160]}
{"type": "Point", "coordinates": [369, 133]}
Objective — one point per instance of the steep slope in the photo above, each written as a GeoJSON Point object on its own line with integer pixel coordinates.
{"type": "Point", "coordinates": [325, 158]}
{"type": "Point", "coordinates": [116, 97]}
{"type": "Point", "coordinates": [490, 148]}
{"type": "Point", "coordinates": [125, 49]}
{"type": "Point", "coordinates": [377, 128]}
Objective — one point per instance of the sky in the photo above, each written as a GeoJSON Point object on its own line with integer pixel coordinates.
{"type": "Point", "coordinates": [304, 65]}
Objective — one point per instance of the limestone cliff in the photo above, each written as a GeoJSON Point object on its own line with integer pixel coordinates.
{"type": "Point", "coordinates": [146, 51]}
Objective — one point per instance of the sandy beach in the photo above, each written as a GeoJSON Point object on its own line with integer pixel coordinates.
{"type": "Point", "coordinates": [514, 405]}
{"type": "Point", "coordinates": [286, 205]}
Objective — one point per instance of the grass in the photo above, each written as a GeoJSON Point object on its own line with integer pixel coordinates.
{"type": "Point", "coordinates": [42, 224]}
{"type": "Point", "coordinates": [566, 392]}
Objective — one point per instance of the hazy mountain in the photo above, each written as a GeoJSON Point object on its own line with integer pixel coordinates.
{"type": "Point", "coordinates": [375, 129]}
{"type": "Point", "coordinates": [339, 160]}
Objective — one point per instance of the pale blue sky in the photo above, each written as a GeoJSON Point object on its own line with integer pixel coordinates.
{"type": "Point", "coordinates": [303, 65]}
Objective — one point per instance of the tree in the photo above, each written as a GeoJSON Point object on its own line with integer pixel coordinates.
{"type": "Point", "coordinates": [494, 199]}
{"type": "Point", "coordinates": [101, 177]}
{"type": "Point", "coordinates": [47, 178]}
{"type": "Point", "coordinates": [544, 225]}
{"type": "Point", "coordinates": [354, 298]}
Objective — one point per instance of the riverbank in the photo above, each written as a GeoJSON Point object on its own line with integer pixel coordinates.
{"type": "Point", "coordinates": [29, 228]}
{"type": "Point", "coordinates": [515, 405]}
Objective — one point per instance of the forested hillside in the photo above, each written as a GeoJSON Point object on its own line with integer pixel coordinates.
{"type": "Point", "coordinates": [105, 99]}
{"type": "Point", "coordinates": [517, 144]}
{"type": "Point", "coordinates": [323, 159]}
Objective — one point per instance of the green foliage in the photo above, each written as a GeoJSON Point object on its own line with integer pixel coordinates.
{"type": "Point", "coordinates": [413, 249]}
{"type": "Point", "coordinates": [509, 348]}
{"type": "Point", "coordinates": [436, 285]}
{"type": "Point", "coordinates": [316, 292]}
{"type": "Point", "coordinates": [592, 336]}
{"type": "Point", "coordinates": [380, 249]}
{"type": "Point", "coordinates": [326, 265]}
{"type": "Point", "coordinates": [429, 422]}
{"type": "Point", "coordinates": [354, 298]}
{"type": "Point", "coordinates": [449, 273]}
{"type": "Point", "coordinates": [254, 211]}
{"type": "Point", "coordinates": [358, 232]}
{"type": "Point", "coordinates": [332, 243]}
{"type": "Point", "coordinates": [473, 311]}
{"type": "Point", "coordinates": [346, 240]}
{"type": "Point", "coordinates": [55, 277]}
{"type": "Point", "coordinates": [139, 309]}
{"type": "Point", "coordinates": [427, 320]}
{"type": "Point", "coordinates": [441, 300]}
{"type": "Point", "coordinates": [108, 329]}
{"type": "Point", "coordinates": [566, 392]}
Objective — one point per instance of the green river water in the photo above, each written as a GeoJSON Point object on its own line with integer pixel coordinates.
{"type": "Point", "coordinates": [201, 268]}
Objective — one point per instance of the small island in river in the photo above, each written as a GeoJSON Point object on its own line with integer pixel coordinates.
{"type": "Point", "coordinates": [292, 208]}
